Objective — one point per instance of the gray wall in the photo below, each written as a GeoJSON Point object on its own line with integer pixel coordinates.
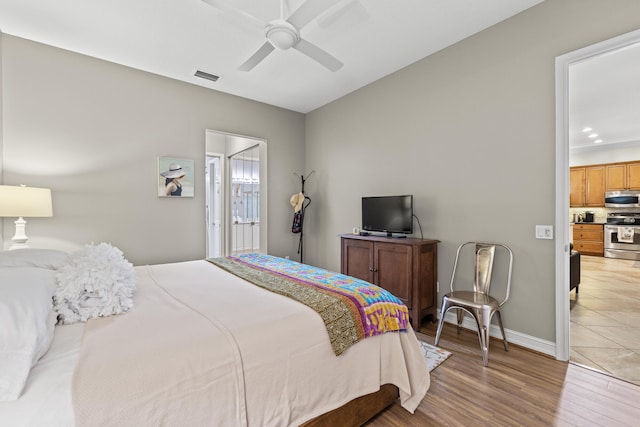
{"type": "Point", "coordinates": [92, 131]}
{"type": "Point", "coordinates": [470, 132]}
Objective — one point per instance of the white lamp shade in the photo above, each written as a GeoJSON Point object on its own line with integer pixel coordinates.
{"type": "Point", "coordinates": [21, 201]}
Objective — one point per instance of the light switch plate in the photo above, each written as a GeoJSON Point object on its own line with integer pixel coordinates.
{"type": "Point", "coordinates": [544, 231]}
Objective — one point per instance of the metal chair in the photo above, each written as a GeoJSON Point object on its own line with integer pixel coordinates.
{"type": "Point", "coordinates": [478, 303]}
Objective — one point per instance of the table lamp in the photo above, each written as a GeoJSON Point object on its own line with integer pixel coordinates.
{"type": "Point", "coordinates": [22, 201]}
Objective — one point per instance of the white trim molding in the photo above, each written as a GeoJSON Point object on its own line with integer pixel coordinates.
{"type": "Point", "coordinates": [513, 337]}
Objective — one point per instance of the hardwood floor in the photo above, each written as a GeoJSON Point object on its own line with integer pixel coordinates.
{"type": "Point", "coordinates": [518, 388]}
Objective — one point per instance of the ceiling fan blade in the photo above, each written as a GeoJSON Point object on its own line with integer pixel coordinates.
{"type": "Point", "coordinates": [257, 57]}
{"type": "Point", "coordinates": [319, 55]}
{"type": "Point", "coordinates": [309, 11]}
{"type": "Point", "coordinates": [235, 12]}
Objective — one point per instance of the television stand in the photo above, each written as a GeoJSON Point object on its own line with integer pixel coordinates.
{"type": "Point", "coordinates": [405, 267]}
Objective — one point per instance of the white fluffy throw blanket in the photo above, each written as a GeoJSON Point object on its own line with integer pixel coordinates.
{"type": "Point", "coordinates": [95, 281]}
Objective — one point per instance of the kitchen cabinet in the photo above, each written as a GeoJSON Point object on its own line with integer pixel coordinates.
{"type": "Point", "coordinates": [595, 185]}
{"type": "Point", "coordinates": [406, 267]}
{"type": "Point", "coordinates": [576, 179]}
{"type": "Point", "coordinates": [587, 185]}
{"type": "Point", "coordinates": [633, 176]}
{"type": "Point", "coordinates": [623, 176]}
{"type": "Point", "coordinates": [588, 239]}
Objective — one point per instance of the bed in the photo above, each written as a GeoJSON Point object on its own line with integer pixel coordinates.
{"type": "Point", "coordinates": [205, 346]}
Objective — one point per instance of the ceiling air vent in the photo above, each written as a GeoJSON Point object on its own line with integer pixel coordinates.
{"type": "Point", "coordinates": [207, 76]}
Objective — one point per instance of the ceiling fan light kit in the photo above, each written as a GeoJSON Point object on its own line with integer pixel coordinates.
{"type": "Point", "coordinates": [282, 35]}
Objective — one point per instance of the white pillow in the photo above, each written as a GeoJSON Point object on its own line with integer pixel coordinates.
{"type": "Point", "coordinates": [96, 281]}
{"type": "Point", "coordinates": [26, 324]}
{"type": "Point", "coordinates": [42, 258]}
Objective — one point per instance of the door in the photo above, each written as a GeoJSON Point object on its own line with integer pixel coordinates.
{"type": "Point", "coordinates": [245, 201]}
{"type": "Point", "coordinates": [214, 205]}
{"type": "Point", "coordinates": [393, 266]}
{"type": "Point", "coordinates": [595, 186]}
{"type": "Point", "coordinates": [633, 176]}
{"type": "Point", "coordinates": [577, 177]}
{"type": "Point", "coordinates": [357, 259]}
{"type": "Point", "coordinates": [621, 241]}
{"type": "Point", "coordinates": [616, 177]}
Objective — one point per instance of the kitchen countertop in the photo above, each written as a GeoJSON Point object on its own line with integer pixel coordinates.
{"type": "Point", "coordinates": [584, 222]}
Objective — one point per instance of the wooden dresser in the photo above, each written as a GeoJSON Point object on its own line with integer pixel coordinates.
{"type": "Point", "coordinates": [588, 238]}
{"type": "Point", "coordinates": [406, 267]}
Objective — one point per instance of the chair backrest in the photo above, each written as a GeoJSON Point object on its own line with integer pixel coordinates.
{"type": "Point", "coordinates": [484, 257]}
{"type": "Point", "coordinates": [485, 254]}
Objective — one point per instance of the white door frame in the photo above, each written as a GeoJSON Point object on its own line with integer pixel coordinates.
{"type": "Point", "coordinates": [229, 143]}
{"type": "Point", "coordinates": [218, 203]}
{"type": "Point", "coordinates": [562, 178]}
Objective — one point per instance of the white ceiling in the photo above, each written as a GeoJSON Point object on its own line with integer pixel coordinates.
{"type": "Point", "coordinates": [174, 38]}
{"type": "Point", "coordinates": [604, 94]}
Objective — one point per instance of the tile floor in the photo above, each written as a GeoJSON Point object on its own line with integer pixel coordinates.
{"type": "Point", "coordinates": [605, 317]}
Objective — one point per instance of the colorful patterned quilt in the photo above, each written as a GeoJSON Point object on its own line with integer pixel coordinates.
{"type": "Point", "coordinates": [351, 309]}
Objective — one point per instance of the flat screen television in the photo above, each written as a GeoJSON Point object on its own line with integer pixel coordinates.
{"type": "Point", "coordinates": [388, 214]}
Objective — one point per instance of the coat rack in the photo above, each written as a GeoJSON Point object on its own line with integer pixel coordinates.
{"type": "Point", "coordinates": [305, 205]}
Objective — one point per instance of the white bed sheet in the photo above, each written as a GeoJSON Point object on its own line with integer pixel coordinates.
{"type": "Point", "coordinates": [46, 399]}
{"type": "Point", "coordinates": [389, 358]}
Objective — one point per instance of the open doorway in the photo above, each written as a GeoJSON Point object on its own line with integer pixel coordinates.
{"type": "Point", "coordinates": [236, 199]}
{"type": "Point", "coordinates": [567, 155]}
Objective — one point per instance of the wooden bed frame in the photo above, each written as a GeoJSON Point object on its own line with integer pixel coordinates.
{"type": "Point", "coordinates": [359, 410]}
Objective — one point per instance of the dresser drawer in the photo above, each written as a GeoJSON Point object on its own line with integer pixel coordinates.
{"type": "Point", "coordinates": [586, 248]}
{"type": "Point", "coordinates": [588, 227]}
{"type": "Point", "coordinates": [588, 235]}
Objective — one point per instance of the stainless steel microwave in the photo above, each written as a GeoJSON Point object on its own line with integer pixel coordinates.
{"type": "Point", "coordinates": [622, 199]}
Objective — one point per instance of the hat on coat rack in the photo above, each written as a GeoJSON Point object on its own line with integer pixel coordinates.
{"type": "Point", "coordinates": [296, 201]}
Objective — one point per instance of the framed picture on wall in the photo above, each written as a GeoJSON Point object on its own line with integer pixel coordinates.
{"type": "Point", "coordinates": [175, 177]}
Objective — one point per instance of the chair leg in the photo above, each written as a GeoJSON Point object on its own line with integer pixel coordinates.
{"type": "Point", "coordinates": [483, 335]}
{"type": "Point", "coordinates": [484, 329]}
{"type": "Point", "coordinates": [443, 311]}
{"type": "Point", "coordinates": [460, 317]}
{"type": "Point", "coordinates": [504, 337]}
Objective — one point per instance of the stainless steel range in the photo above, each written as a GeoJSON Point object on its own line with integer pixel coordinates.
{"type": "Point", "coordinates": [622, 235]}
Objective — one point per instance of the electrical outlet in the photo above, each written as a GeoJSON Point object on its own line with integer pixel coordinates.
{"type": "Point", "coordinates": [544, 231]}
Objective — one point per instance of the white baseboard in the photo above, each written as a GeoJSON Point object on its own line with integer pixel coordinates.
{"type": "Point", "coordinates": [515, 337]}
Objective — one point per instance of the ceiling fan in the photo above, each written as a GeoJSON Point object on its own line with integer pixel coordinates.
{"type": "Point", "coordinates": [284, 34]}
